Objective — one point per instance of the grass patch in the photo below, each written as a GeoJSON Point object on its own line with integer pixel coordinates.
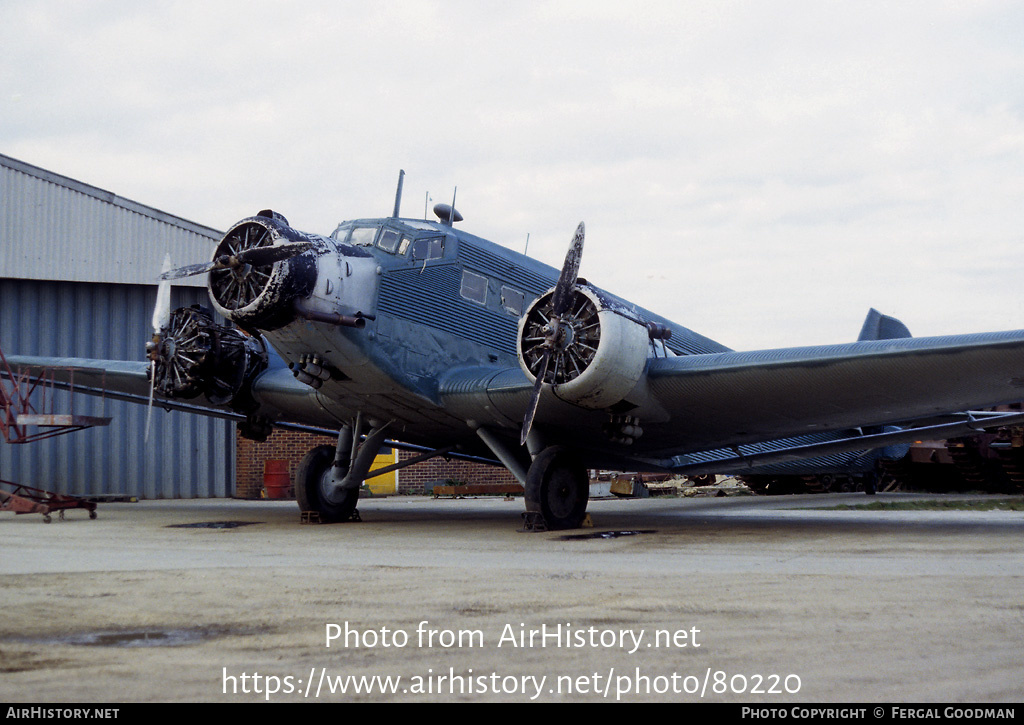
{"type": "Point", "coordinates": [1016, 504]}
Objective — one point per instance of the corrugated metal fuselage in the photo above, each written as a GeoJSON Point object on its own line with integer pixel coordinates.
{"type": "Point", "coordinates": [437, 301]}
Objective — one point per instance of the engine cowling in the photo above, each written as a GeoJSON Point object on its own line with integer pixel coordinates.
{"type": "Point", "coordinates": [600, 353]}
{"type": "Point", "coordinates": [261, 296]}
{"type": "Point", "coordinates": [196, 356]}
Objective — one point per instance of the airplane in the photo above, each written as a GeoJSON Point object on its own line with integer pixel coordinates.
{"type": "Point", "coordinates": [453, 345]}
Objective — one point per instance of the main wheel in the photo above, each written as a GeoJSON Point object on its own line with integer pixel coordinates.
{"type": "Point", "coordinates": [557, 487]}
{"type": "Point", "coordinates": [313, 481]}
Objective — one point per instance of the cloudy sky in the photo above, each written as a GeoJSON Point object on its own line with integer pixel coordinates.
{"type": "Point", "coordinates": [760, 172]}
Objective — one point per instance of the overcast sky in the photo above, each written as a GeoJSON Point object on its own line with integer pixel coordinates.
{"type": "Point", "coordinates": [760, 172]}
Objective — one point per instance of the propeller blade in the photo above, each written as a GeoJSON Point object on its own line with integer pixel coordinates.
{"type": "Point", "coordinates": [531, 409]}
{"type": "Point", "coordinates": [188, 270]}
{"type": "Point", "coordinates": [257, 257]}
{"type": "Point", "coordinates": [262, 256]}
{"type": "Point", "coordinates": [161, 321]}
{"type": "Point", "coordinates": [562, 298]}
{"type": "Point", "coordinates": [162, 309]}
{"type": "Point", "coordinates": [149, 407]}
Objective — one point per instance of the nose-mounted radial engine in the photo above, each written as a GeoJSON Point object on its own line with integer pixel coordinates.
{"type": "Point", "coordinates": [259, 270]}
{"type": "Point", "coordinates": [263, 273]}
{"type": "Point", "coordinates": [256, 274]}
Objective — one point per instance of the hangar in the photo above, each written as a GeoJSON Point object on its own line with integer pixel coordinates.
{"type": "Point", "coordinates": [78, 268]}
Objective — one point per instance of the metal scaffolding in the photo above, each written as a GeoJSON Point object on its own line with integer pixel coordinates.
{"type": "Point", "coordinates": [18, 413]}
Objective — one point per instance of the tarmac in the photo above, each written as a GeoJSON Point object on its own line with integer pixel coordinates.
{"type": "Point", "coordinates": [741, 599]}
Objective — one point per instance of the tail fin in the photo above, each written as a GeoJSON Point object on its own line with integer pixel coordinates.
{"type": "Point", "coordinates": [882, 327]}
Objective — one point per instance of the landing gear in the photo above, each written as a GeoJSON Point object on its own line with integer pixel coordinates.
{"type": "Point", "coordinates": [314, 483]}
{"type": "Point", "coordinates": [557, 488]}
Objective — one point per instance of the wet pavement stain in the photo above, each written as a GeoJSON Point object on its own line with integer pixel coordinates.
{"type": "Point", "coordinates": [214, 525]}
{"type": "Point", "coordinates": [607, 534]}
{"type": "Point", "coordinates": [134, 638]}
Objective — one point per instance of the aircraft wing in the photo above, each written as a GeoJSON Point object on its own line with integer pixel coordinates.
{"type": "Point", "coordinates": [713, 402]}
{"type": "Point", "coordinates": [122, 376]}
{"type": "Point", "coordinates": [126, 380]}
{"type": "Point", "coordinates": [282, 396]}
{"type": "Point", "coordinates": [731, 398]}
{"type": "Point", "coordinates": [129, 381]}
{"type": "Point", "coordinates": [702, 403]}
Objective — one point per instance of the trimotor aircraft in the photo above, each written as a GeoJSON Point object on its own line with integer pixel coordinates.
{"type": "Point", "coordinates": [406, 329]}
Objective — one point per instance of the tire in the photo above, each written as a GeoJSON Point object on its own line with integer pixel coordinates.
{"type": "Point", "coordinates": [311, 481]}
{"type": "Point", "coordinates": [557, 487]}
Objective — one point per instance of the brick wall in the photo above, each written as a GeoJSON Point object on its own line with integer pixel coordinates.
{"type": "Point", "coordinates": [420, 477]}
{"type": "Point", "coordinates": [282, 444]}
{"type": "Point", "coordinates": [292, 446]}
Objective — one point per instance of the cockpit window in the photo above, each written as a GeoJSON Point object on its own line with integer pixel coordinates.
{"type": "Point", "coordinates": [423, 226]}
{"type": "Point", "coordinates": [428, 249]}
{"type": "Point", "coordinates": [388, 241]}
{"type": "Point", "coordinates": [363, 236]}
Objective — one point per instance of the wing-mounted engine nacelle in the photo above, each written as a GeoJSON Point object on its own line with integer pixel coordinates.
{"type": "Point", "coordinates": [599, 354]}
{"type": "Point", "coordinates": [196, 356]}
{"type": "Point", "coordinates": [257, 286]}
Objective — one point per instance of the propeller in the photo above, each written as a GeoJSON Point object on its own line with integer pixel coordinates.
{"type": "Point", "coordinates": [161, 319]}
{"type": "Point", "coordinates": [241, 262]}
{"type": "Point", "coordinates": [554, 334]}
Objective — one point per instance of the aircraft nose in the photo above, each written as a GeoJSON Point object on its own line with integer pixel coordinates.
{"type": "Point", "coordinates": [260, 267]}
{"type": "Point", "coordinates": [345, 292]}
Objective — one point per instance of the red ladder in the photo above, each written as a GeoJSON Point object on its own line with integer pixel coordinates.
{"type": "Point", "coordinates": [17, 413]}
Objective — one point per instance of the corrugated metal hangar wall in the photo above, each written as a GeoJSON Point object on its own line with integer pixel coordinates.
{"type": "Point", "coordinates": [78, 267]}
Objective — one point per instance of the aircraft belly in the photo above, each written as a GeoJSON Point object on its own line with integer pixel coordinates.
{"type": "Point", "coordinates": [305, 337]}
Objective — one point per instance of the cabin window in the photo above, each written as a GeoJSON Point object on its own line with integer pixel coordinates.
{"type": "Point", "coordinates": [512, 300]}
{"type": "Point", "coordinates": [474, 287]}
{"type": "Point", "coordinates": [388, 241]}
{"type": "Point", "coordinates": [403, 247]}
{"type": "Point", "coordinates": [428, 249]}
{"type": "Point", "coordinates": [363, 236]}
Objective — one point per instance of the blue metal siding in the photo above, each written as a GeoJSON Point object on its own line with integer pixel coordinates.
{"type": "Point", "coordinates": [187, 456]}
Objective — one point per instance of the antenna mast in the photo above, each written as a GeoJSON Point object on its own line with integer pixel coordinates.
{"type": "Point", "coordinates": [398, 193]}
